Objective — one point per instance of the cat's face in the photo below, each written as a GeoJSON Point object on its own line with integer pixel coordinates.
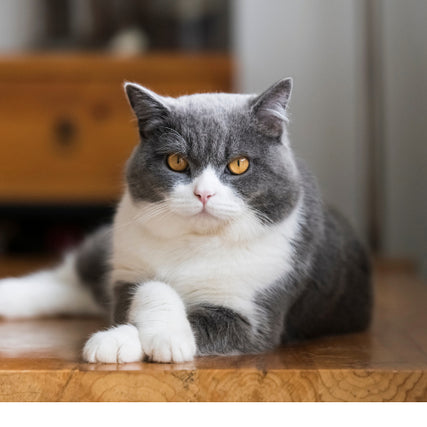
{"type": "Point", "coordinates": [210, 160]}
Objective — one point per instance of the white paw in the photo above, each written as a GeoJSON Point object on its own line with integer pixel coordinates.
{"type": "Point", "coordinates": [164, 330]}
{"type": "Point", "coordinates": [168, 345]}
{"type": "Point", "coordinates": [116, 345]}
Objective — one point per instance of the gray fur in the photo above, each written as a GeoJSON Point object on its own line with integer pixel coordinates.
{"type": "Point", "coordinates": [329, 289]}
{"type": "Point", "coordinates": [270, 108]}
{"type": "Point", "coordinates": [213, 129]}
{"type": "Point", "coordinates": [93, 265]}
{"type": "Point", "coordinates": [219, 330]}
{"type": "Point", "coordinates": [123, 295]}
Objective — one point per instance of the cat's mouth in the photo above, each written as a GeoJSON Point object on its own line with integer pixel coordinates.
{"type": "Point", "coordinates": [212, 217]}
{"type": "Point", "coordinates": [207, 222]}
{"type": "Point", "coordinates": [209, 214]}
{"type": "Point", "coordinates": [205, 214]}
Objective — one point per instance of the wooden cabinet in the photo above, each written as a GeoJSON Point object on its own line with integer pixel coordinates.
{"type": "Point", "coordinates": [66, 129]}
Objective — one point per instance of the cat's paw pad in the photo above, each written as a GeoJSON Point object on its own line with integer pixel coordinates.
{"type": "Point", "coordinates": [116, 345]}
{"type": "Point", "coordinates": [169, 346]}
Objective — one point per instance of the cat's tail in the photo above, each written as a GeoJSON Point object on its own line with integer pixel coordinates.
{"type": "Point", "coordinates": [72, 288]}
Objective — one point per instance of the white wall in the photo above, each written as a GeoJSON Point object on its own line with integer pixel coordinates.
{"type": "Point", "coordinates": [19, 24]}
{"type": "Point", "coordinates": [319, 45]}
{"type": "Point", "coordinates": [405, 127]}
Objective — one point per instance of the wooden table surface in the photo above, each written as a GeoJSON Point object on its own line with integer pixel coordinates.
{"type": "Point", "coordinates": [40, 361]}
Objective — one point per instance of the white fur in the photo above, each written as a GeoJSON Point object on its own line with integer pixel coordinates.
{"type": "Point", "coordinates": [164, 330]}
{"type": "Point", "coordinates": [220, 209]}
{"type": "Point", "coordinates": [223, 260]}
{"type": "Point", "coordinates": [116, 345]}
{"type": "Point", "coordinates": [46, 293]}
{"type": "Point", "coordinates": [184, 254]}
{"type": "Point", "coordinates": [206, 182]}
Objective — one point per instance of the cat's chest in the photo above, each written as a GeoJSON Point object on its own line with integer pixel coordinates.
{"type": "Point", "coordinates": [214, 263]}
{"type": "Point", "coordinates": [209, 270]}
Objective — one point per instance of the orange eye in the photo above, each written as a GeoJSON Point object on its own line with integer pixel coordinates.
{"type": "Point", "coordinates": [177, 163]}
{"type": "Point", "coordinates": [238, 166]}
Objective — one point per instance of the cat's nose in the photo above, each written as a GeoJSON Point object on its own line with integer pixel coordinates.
{"type": "Point", "coordinates": [203, 195]}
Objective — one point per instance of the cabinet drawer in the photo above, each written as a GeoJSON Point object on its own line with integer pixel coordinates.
{"type": "Point", "coordinates": [63, 142]}
{"type": "Point", "coordinates": [66, 129]}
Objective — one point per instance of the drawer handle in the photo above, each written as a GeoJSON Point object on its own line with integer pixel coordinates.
{"type": "Point", "coordinates": [65, 131]}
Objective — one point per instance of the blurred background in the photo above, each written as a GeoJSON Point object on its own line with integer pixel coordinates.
{"type": "Point", "coordinates": [358, 110]}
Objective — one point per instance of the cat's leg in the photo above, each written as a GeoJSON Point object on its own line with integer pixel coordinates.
{"type": "Point", "coordinates": [220, 330]}
{"type": "Point", "coordinates": [164, 330]}
{"type": "Point", "coordinates": [159, 324]}
{"type": "Point", "coordinates": [166, 333]}
{"type": "Point", "coordinates": [75, 287]}
{"type": "Point", "coordinates": [47, 293]}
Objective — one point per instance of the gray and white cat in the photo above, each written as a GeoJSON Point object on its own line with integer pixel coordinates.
{"type": "Point", "coordinates": [220, 244]}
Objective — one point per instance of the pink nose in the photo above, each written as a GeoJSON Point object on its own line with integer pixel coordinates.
{"type": "Point", "coordinates": [204, 195]}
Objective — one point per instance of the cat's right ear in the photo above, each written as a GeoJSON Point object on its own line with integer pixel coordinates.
{"type": "Point", "coordinates": [269, 108]}
{"type": "Point", "coordinates": [149, 108]}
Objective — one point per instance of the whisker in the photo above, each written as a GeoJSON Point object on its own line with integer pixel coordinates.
{"type": "Point", "coordinates": [147, 214]}
{"type": "Point", "coordinates": [151, 213]}
{"type": "Point", "coordinates": [261, 215]}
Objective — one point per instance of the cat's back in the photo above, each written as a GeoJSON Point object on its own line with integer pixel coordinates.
{"type": "Point", "coordinates": [336, 289]}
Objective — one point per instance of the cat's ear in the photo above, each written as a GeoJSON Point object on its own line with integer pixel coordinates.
{"type": "Point", "coordinates": [269, 108]}
{"type": "Point", "coordinates": [149, 108]}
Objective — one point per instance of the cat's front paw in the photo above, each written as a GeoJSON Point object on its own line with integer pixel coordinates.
{"type": "Point", "coordinates": [164, 330]}
{"type": "Point", "coordinates": [169, 346]}
{"type": "Point", "coordinates": [116, 345]}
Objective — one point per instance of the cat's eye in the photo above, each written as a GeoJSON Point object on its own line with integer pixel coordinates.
{"type": "Point", "coordinates": [239, 165]}
{"type": "Point", "coordinates": [177, 163]}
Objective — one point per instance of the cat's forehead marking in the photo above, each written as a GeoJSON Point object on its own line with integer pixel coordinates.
{"type": "Point", "coordinates": [211, 125]}
{"type": "Point", "coordinates": [212, 101]}
{"type": "Point", "coordinates": [207, 180]}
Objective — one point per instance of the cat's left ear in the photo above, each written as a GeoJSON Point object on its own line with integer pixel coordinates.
{"type": "Point", "coordinates": [269, 108]}
{"type": "Point", "coordinates": [149, 108]}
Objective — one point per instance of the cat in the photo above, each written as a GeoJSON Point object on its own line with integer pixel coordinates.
{"type": "Point", "coordinates": [220, 245]}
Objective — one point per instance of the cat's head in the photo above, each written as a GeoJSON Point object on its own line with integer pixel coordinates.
{"type": "Point", "coordinates": [208, 161]}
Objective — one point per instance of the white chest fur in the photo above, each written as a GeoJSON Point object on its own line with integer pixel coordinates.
{"type": "Point", "coordinates": [209, 269]}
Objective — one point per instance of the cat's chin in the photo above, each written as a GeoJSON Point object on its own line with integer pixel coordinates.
{"type": "Point", "coordinates": [205, 216]}
{"type": "Point", "coordinates": [207, 229]}
{"type": "Point", "coordinates": [206, 223]}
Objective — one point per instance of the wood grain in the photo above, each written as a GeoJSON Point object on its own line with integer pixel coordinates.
{"type": "Point", "coordinates": [40, 361]}
{"type": "Point", "coordinates": [66, 129]}
{"type": "Point", "coordinates": [168, 73]}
